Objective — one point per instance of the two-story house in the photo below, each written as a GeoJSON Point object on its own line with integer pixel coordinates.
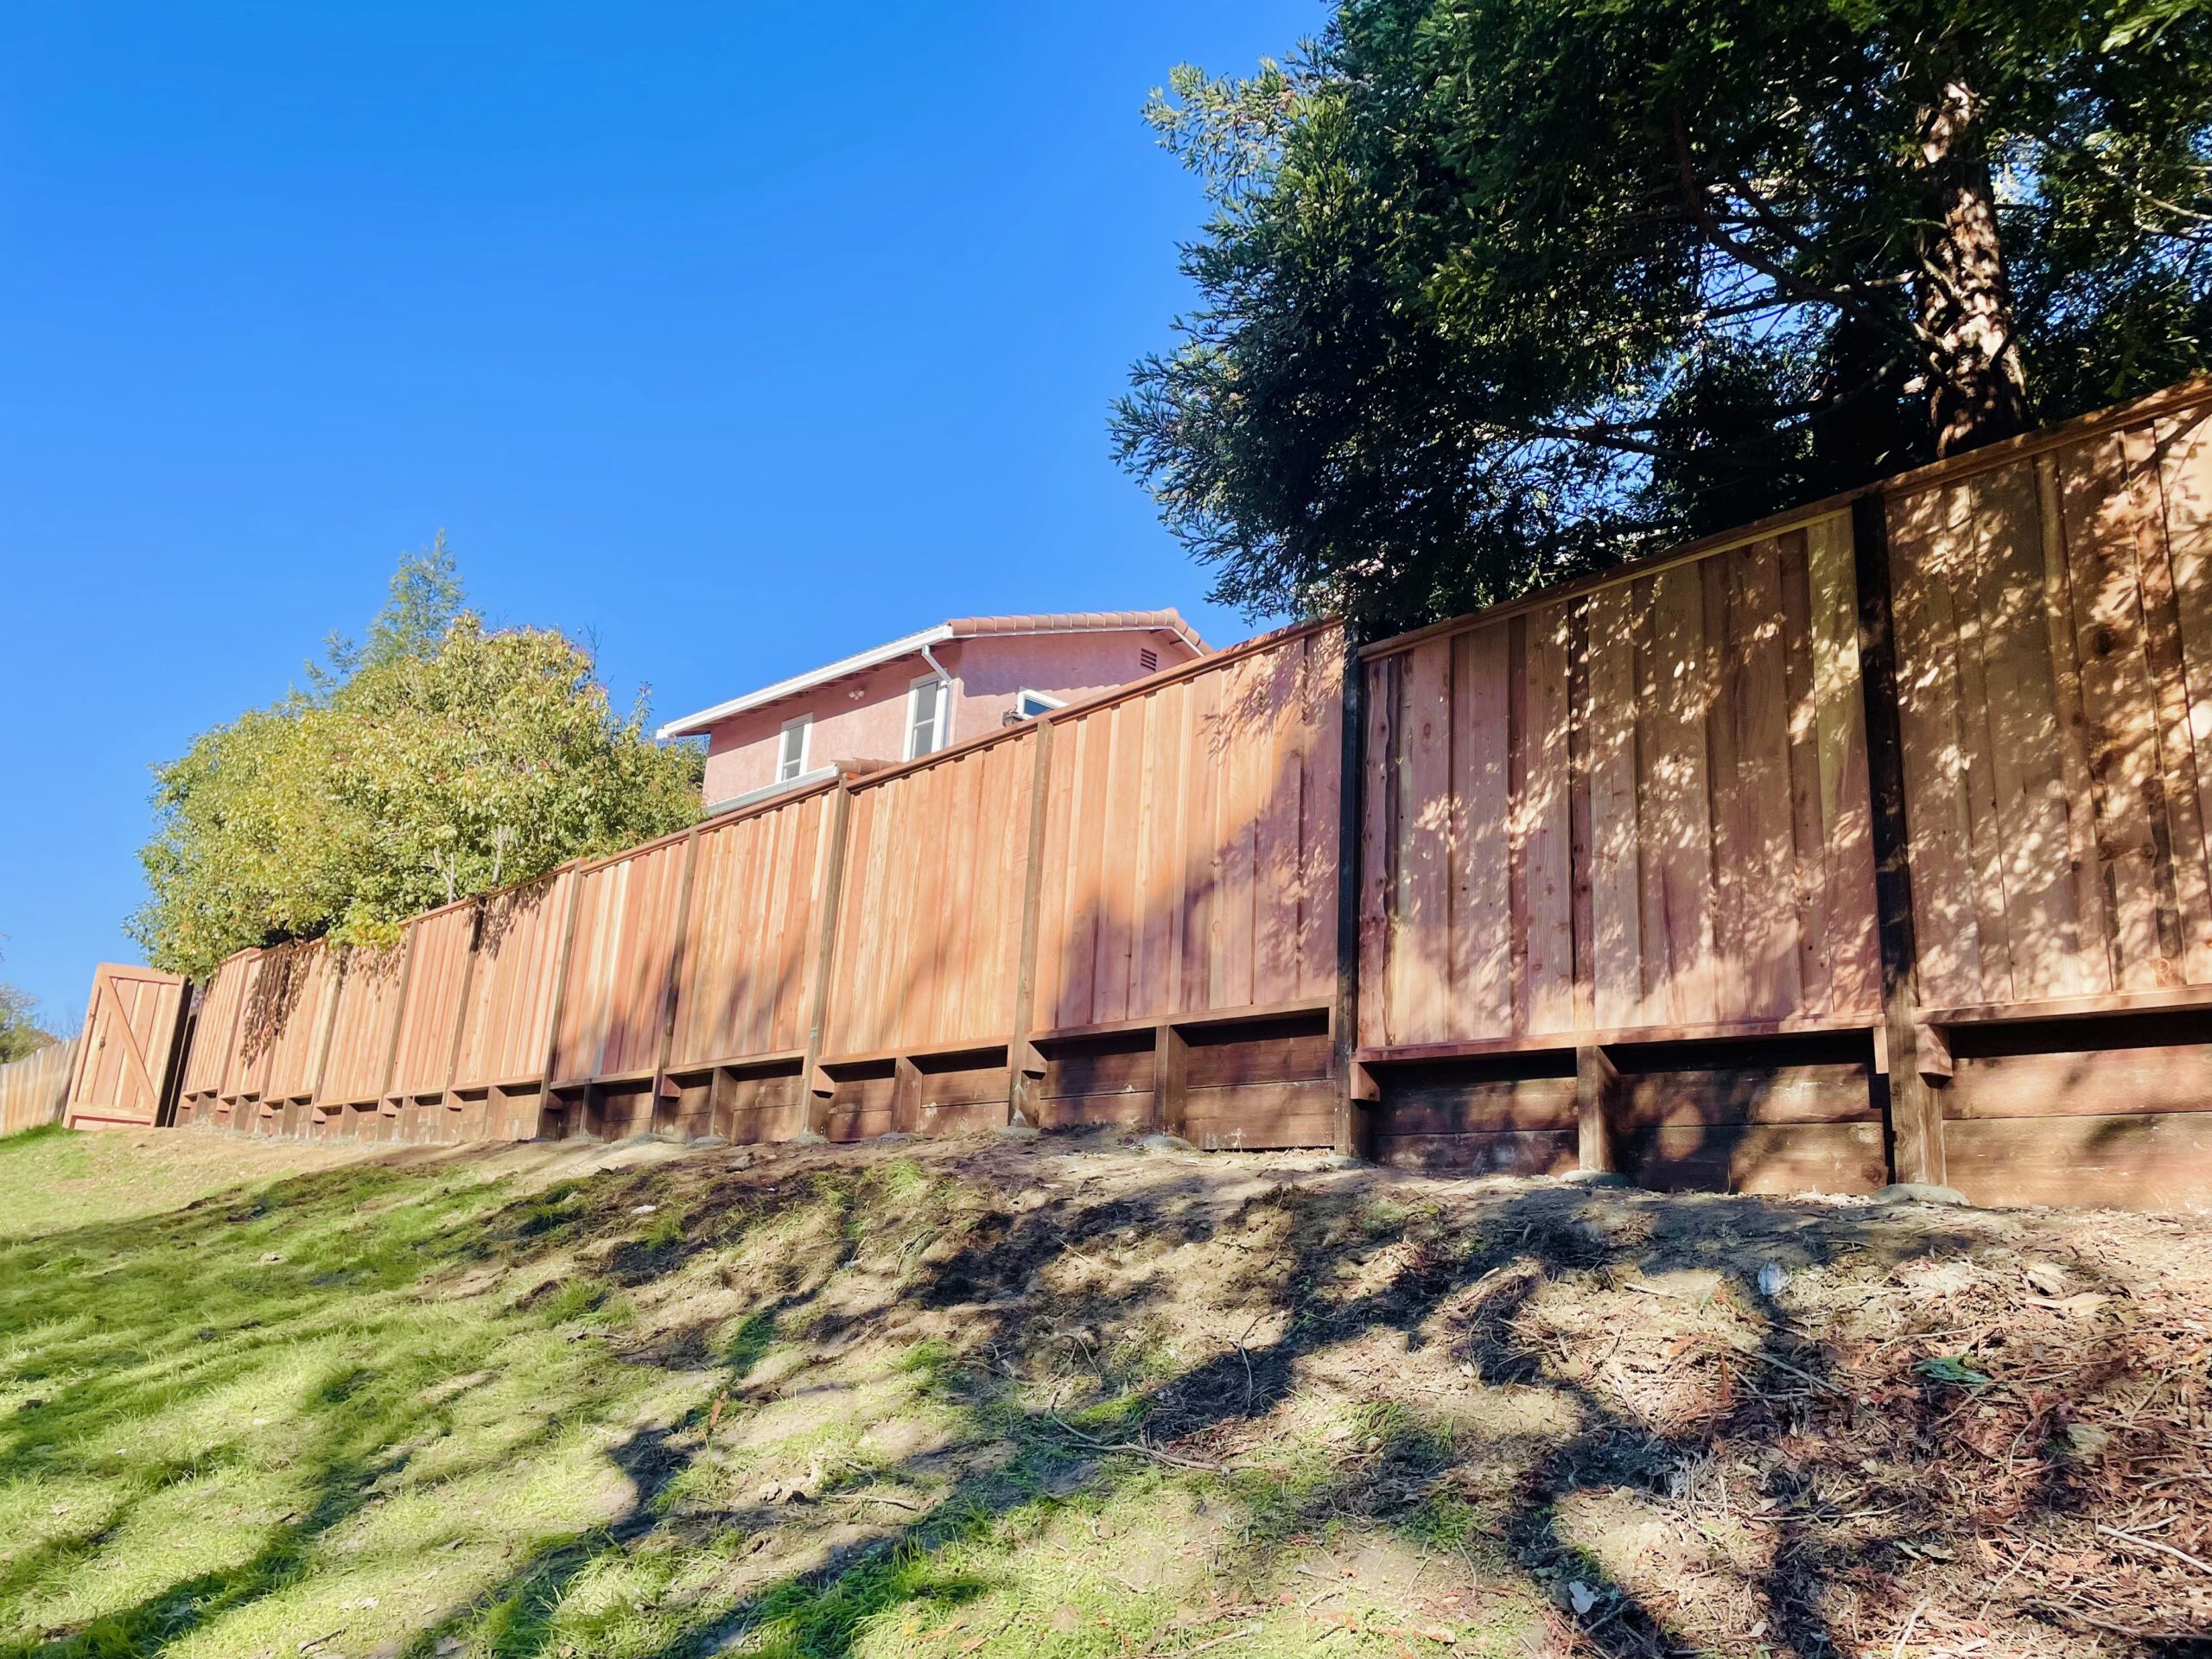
{"type": "Point", "coordinates": [913, 696]}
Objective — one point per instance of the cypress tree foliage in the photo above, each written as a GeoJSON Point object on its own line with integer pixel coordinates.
{"type": "Point", "coordinates": [1495, 291]}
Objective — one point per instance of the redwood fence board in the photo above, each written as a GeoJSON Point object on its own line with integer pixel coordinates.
{"type": "Point", "coordinates": [2058, 613]}
{"type": "Point", "coordinates": [2056, 609]}
{"type": "Point", "coordinates": [1704, 723]}
{"type": "Point", "coordinates": [756, 897]}
{"type": "Point", "coordinates": [440, 948]}
{"type": "Point", "coordinates": [620, 957]}
{"type": "Point", "coordinates": [360, 1057]}
{"type": "Point", "coordinates": [222, 1002]}
{"type": "Point", "coordinates": [935, 865]}
{"type": "Point", "coordinates": [245, 1067]}
{"type": "Point", "coordinates": [507, 1023]}
{"type": "Point", "coordinates": [1190, 857]}
{"type": "Point", "coordinates": [35, 1091]}
{"type": "Point", "coordinates": [126, 1055]}
{"type": "Point", "coordinates": [301, 988]}
{"type": "Point", "coordinates": [1611, 896]}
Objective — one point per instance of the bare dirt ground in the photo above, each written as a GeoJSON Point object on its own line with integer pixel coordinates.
{"type": "Point", "coordinates": [1082, 1395]}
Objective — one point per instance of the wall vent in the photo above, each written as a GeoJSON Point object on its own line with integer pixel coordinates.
{"type": "Point", "coordinates": [1149, 660]}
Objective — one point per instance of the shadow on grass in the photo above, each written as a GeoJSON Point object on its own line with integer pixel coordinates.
{"type": "Point", "coordinates": [983, 1262]}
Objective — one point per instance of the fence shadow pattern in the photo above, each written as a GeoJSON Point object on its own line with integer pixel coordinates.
{"type": "Point", "coordinates": [1606, 888]}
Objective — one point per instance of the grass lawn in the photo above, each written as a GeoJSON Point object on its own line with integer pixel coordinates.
{"type": "Point", "coordinates": [1000, 1399]}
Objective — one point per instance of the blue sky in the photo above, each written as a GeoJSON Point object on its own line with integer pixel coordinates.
{"type": "Point", "coordinates": [736, 337]}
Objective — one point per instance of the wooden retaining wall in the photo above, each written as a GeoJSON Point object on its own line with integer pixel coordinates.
{"type": "Point", "coordinates": [1866, 843]}
{"type": "Point", "coordinates": [34, 1089]}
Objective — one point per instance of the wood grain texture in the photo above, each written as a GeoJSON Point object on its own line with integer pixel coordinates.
{"type": "Point", "coordinates": [34, 1089]}
{"type": "Point", "coordinates": [126, 1049]}
{"type": "Point", "coordinates": [430, 1016]}
{"type": "Point", "coordinates": [507, 1025]}
{"type": "Point", "coordinates": [1644, 808]}
{"type": "Point", "coordinates": [754, 913]}
{"type": "Point", "coordinates": [2148, 1160]}
{"type": "Point", "coordinates": [222, 1003]}
{"type": "Point", "coordinates": [930, 919]}
{"type": "Point", "coordinates": [298, 988]}
{"type": "Point", "coordinates": [2054, 628]}
{"type": "Point", "coordinates": [361, 1030]}
{"type": "Point", "coordinates": [1190, 842]}
{"type": "Point", "coordinates": [620, 957]}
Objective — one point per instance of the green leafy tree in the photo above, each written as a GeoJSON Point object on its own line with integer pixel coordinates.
{"type": "Point", "coordinates": [1497, 291]}
{"type": "Point", "coordinates": [437, 761]}
{"type": "Point", "coordinates": [20, 1031]}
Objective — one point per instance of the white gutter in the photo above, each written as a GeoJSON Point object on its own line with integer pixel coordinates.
{"type": "Point", "coordinates": [820, 774]}
{"type": "Point", "coordinates": [880, 654]}
{"type": "Point", "coordinates": [944, 737]}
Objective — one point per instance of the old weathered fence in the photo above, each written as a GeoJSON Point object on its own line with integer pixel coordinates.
{"type": "Point", "coordinates": [1867, 843]}
{"type": "Point", "coordinates": [34, 1089]}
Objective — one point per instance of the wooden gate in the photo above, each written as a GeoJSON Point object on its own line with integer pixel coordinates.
{"type": "Point", "coordinates": [129, 1045]}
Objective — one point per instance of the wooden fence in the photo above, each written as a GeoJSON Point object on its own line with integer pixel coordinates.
{"type": "Point", "coordinates": [1122, 912]}
{"type": "Point", "coordinates": [1602, 827]}
{"type": "Point", "coordinates": [1867, 842]}
{"type": "Point", "coordinates": [2053, 609]}
{"type": "Point", "coordinates": [127, 1058]}
{"type": "Point", "coordinates": [34, 1089]}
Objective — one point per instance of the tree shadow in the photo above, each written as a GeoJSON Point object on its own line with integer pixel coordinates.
{"type": "Point", "coordinates": [1009, 1255]}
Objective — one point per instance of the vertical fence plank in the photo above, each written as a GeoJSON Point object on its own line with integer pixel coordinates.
{"type": "Point", "coordinates": [1848, 925]}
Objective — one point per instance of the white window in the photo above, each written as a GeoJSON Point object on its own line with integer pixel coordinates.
{"type": "Point", "coordinates": [927, 706]}
{"type": "Point", "coordinates": [1028, 705]}
{"type": "Point", "coordinates": [790, 750]}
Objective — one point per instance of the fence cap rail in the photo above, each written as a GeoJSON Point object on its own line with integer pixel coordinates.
{"type": "Point", "coordinates": [2176, 998]}
{"type": "Point", "coordinates": [2196, 391]}
{"type": "Point", "coordinates": [1099, 700]}
{"type": "Point", "coordinates": [1613, 575]}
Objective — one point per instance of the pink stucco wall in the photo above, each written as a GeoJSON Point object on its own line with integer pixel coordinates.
{"type": "Point", "coordinates": [865, 718]}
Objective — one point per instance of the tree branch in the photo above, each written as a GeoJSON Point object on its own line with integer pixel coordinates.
{"type": "Point", "coordinates": [1845, 299]}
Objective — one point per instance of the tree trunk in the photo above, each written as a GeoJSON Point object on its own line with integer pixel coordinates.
{"type": "Point", "coordinates": [1976, 389]}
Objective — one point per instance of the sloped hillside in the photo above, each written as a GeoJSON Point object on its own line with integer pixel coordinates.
{"type": "Point", "coordinates": [1071, 1397]}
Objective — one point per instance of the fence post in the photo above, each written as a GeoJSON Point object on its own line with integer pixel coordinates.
{"type": "Point", "coordinates": [460, 1013]}
{"type": "Point", "coordinates": [679, 952]}
{"type": "Point", "coordinates": [1021, 1071]}
{"type": "Point", "coordinates": [1597, 1104]}
{"type": "Point", "coordinates": [560, 991]}
{"type": "Point", "coordinates": [1354, 1086]}
{"type": "Point", "coordinates": [1916, 1111]}
{"type": "Point", "coordinates": [398, 1016]}
{"type": "Point", "coordinates": [825, 958]}
{"type": "Point", "coordinates": [338, 957]}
